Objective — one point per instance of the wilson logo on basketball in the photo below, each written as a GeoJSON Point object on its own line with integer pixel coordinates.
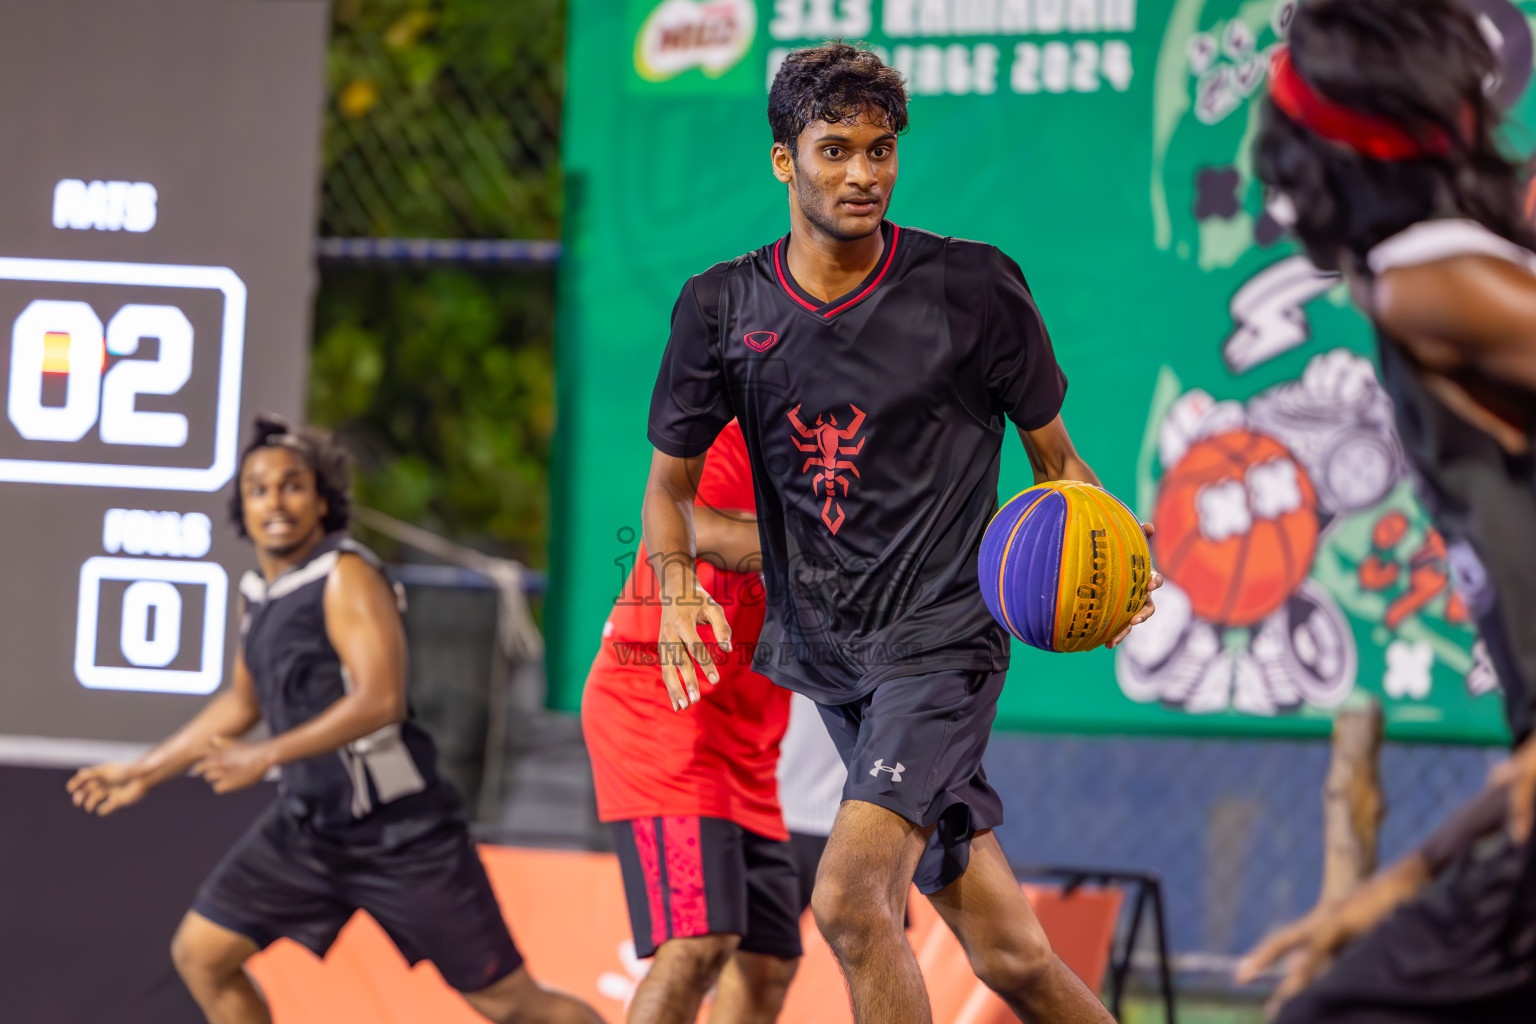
{"type": "Point", "coordinates": [760, 341]}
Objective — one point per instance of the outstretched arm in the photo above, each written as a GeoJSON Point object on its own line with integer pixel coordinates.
{"type": "Point", "coordinates": [667, 521]}
{"type": "Point", "coordinates": [1307, 946]}
{"type": "Point", "coordinates": [362, 621]}
{"type": "Point", "coordinates": [105, 788]}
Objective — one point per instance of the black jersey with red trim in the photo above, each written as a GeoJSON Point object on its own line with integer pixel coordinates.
{"type": "Point", "coordinates": [875, 425]}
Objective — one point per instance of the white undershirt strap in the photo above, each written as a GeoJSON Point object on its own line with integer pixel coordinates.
{"type": "Point", "coordinates": [1431, 240]}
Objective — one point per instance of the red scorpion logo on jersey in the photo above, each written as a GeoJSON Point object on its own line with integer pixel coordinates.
{"type": "Point", "coordinates": [828, 441]}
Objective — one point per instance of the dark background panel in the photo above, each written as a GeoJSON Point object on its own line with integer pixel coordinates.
{"type": "Point", "coordinates": [89, 905]}
{"type": "Point", "coordinates": [218, 105]}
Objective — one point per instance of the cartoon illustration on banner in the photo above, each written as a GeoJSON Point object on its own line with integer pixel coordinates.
{"type": "Point", "coordinates": [1286, 525]}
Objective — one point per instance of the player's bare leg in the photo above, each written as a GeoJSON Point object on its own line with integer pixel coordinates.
{"type": "Point", "coordinates": [682, 973]}
{"type": "Point", "coordinates": [518, 999]}
{"type": "Point", "coordinates": [1007, 948]}
{"type": "Point", "coordinates": [860, 904]}
{"type": "Point", "coordinates": [752, 988]}
{"type": "Point", "coordinates": [211, 961]}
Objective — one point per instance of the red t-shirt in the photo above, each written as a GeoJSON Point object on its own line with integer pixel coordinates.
{"type": "Point", "coordinates": [718, 758]}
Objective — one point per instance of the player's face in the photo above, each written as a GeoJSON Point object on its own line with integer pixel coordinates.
{"type": "Point", "coordinates": [282, 507]}
{"type": "Point", "coordinates": [841, 175]}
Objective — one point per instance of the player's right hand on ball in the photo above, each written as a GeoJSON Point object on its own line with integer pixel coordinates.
{"type": "Point", "coordinates": [679, 646]}
{"type": "Point", "coordinates": [1154, 580]}
{"type": "Point", "coordinates": [106, 787]}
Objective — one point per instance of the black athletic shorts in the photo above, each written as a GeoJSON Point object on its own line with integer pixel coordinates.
{"type": "Point", "coordinates": [691, 876]}
{"type": "Point", "coordinates": [421, 881]}
{"type": "Point", "coordinates": [914, 746]}
{"type": "Point", "coordinates": [1463, 950]}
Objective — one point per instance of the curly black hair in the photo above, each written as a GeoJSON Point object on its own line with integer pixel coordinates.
{"type": "Point", "coordinates": [327, 459]}
{"type": "Point", "coordinates": [835, 83]}
{"type": "Point", "coordinates": [1423, 65]}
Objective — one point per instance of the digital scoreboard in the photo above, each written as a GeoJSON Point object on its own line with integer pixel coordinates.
{"type": "Point", "coordinates": [158, 179]}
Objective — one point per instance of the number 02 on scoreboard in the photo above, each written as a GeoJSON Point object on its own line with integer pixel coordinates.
{"type": "Point", "coordinates": [120, 374]}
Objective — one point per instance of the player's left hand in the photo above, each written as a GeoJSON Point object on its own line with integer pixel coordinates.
{"type": "Point", "coordinates": [1154, 581]}
{"type": "Point", "coordinates": [105, 788]}
{"type": "Point", "coordinates": [1304, 949]}
{"type": "Point", "coordinates": [232, 764]}
{"type": "Point", "coordinates": [1519, 774]}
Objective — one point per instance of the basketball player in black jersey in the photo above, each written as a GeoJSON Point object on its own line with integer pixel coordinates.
{"type": "Point", "coordinates": [1379, 145]}
{"type": "Point", "coordinates": [362, 821]}
{"type": "Point", "coordinates": [873, 369]}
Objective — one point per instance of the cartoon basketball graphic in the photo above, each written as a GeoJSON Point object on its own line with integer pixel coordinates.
{"type": "Point", "coordinates": [1236, 526]}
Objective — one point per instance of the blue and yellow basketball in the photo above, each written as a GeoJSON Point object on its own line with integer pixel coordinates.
{"type": "Point", "coordinates": [1064, 566]}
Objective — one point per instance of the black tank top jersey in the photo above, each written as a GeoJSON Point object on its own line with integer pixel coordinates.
{"type": "Point", "coordinates": [389, 774]}
{"type": "Point", "coordinates": [1481, 498]}
{"type": "Point", "coordinates": [874, 423]}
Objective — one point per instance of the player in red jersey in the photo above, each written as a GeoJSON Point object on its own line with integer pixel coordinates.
{"type": "Point", "coordinates": [691, 797]}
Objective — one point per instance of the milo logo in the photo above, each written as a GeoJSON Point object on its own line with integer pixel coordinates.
{"type": "Point", "coordinates": [678, 35]}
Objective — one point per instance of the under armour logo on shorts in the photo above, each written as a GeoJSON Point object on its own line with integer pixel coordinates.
{"type": "Point", "coordinates": [880, 766]}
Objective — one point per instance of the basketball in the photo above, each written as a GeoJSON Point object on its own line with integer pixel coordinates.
{"type": "Point", "coordinates": [1236, 526]}
{"type": "Point", "coordinates": [1064, 566]}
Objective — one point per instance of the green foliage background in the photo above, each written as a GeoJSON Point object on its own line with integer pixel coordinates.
{"type": "Point", "coordinates": [443, 122]}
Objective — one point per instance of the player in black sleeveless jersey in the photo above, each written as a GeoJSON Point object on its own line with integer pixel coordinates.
{"type": "Point", "coordinates": [873, 368]}
{"type": "Point", "coordinates": [1379, 143]}
{"type": "Point", "coordinates": [362, 821]}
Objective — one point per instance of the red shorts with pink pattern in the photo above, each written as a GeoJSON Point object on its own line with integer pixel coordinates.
{"type": "Point", "coordinates": [691, 876]}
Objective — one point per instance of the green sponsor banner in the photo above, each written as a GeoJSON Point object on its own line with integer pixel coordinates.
{"type": "Point", "coordinates": [1219, 384]}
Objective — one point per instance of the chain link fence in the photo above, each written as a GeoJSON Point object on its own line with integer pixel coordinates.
{"type": "Point", "coordinates": [433, 348]}
{"type": "Point", "coordinates": [443, 120]}
{"type": "Point", "coordinates": [1234, 828]}
{"type": "Point", "coordinates": [433, 359]}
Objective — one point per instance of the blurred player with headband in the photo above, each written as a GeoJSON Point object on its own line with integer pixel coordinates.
{"type": "Point", "coordinates": [1379, 147]}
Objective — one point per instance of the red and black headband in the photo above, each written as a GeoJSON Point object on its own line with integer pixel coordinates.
{"type": "Point", "coordinates": [1366, 134]}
